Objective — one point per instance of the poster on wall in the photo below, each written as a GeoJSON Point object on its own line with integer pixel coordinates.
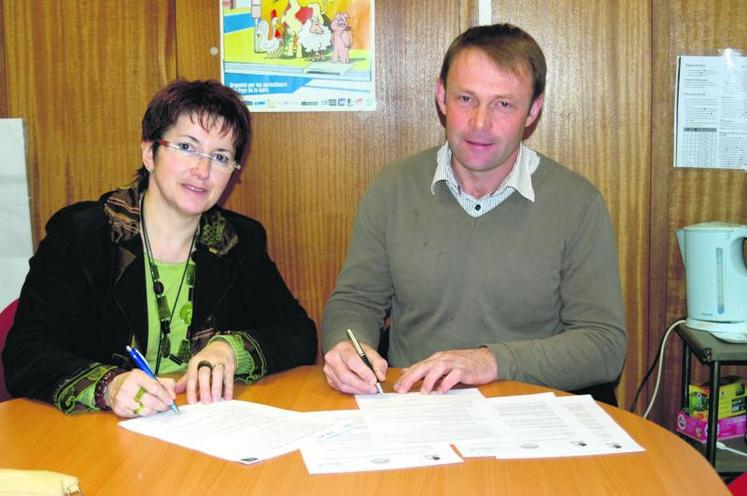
{"type": "Point", "coordinates": [710, 116]}
{"type": "Point", "coordinates": [299, 55]}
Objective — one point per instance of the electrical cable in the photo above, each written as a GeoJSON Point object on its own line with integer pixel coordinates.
{"type": "Point", "coordinates": [724, 447]}
{"type": "Point", "coordinates": [648, 374]}
{"type": "Point", "coordinates": [661, 362]}
{"type": "Point", "coordinates": [645, 378]}
{"type": "Point", "coordinates": [659, 358]}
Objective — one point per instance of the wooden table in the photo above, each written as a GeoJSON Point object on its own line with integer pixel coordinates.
{"type": "Point", "coordinates": [110, 460]}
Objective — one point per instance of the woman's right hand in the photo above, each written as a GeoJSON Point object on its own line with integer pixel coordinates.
{"type": "Point", "coordinates": [134, 394]}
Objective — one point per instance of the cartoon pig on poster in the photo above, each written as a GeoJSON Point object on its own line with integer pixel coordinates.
{"type": "Point", "coordinates": [342, 38]}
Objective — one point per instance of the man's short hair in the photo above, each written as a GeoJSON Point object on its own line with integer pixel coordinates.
{"type": "Point", "coordinates": [507, 46]}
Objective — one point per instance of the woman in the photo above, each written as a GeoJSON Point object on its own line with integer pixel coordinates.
{"type": "Point", "coordinates": [159, 267]}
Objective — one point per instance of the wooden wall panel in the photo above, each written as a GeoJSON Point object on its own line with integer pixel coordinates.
{"type": "Point", "coordinates": [198, 39]}
{"type": "Point", "coordinates": [596, 122]}
{"type": "Point", "coordinates": [80, 73]}
{"type": "Point", "coordinates": [684, 196]}
{"type": "Point", "coordinates": [307, 171]}
{"type": "Point", "coordinates": [3, 75]}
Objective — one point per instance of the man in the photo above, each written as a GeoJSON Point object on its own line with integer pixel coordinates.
{"type": "Point", "coordinates": [491, 260]}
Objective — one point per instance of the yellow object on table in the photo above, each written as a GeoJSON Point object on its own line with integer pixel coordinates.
{"type": "Point", "coordinates": [37, 482]}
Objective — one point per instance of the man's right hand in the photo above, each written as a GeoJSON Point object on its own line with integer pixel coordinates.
{"type": "Point", "coordinates": [346, 372]}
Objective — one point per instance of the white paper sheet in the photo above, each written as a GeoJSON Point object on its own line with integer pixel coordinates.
{"type": "Point", "coordinates": [605, 431]}
{"type": "Point", "coordinates": [351, 448]}
{"type": "Point", "coordinates": [488, 446]}
{"type": "Point", "coordinates": [427, 418]}
{"type": "Point", "coordinates": [395, 430]}
{"type": "Point", "coordinates": [538, 426]}
{"type": "Point", "coordinates": [15, 213]}
{"type": "Point", "coordinates": [233, 430]}
{"type": "Point", "coordinates": [710, 114]}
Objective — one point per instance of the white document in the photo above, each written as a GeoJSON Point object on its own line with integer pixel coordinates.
{"type": "Point", "coordinates": [606, 433]}
{"type": "Point", "coordinates": [15, 213]}
{"type": "Point", "coordinates": [349, 447]}
{"type": "Point", "coordinates": [541, 426]}
{"type": "Point", "coordinates": [233, 430]}
{"type": "Point", "coordinates": [395, 430]}
{"type": "Point", "coordinates": [427, 418]}
{"type": "Point", "coordinates": [489, 446]}
{"type": "Point", "coordinates": [710, 124]}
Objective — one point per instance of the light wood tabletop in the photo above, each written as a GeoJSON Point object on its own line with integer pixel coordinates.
{"type": "Point", "coordinates": [108, 459]}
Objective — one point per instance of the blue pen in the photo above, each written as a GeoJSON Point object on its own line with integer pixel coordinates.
{"type": "Point", "coordinates": [140, 362]}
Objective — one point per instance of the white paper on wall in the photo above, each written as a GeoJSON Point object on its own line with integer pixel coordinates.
{"type": "Point", "coordinates": [15, 214]}
{"type": "Point", "coordinates": [710, 115]}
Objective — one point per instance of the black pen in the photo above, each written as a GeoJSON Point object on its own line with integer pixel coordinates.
{"type": "Point", "coordinates": [363, 356]}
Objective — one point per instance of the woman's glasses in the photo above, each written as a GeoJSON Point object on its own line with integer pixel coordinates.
{"type": "Point", "coordinates": [221, 161]}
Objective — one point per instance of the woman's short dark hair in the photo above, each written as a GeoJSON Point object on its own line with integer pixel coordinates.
{"type": "Point", "coordinates": [205, 100]}
{"type": "Point", "coordinates": [507, 46]}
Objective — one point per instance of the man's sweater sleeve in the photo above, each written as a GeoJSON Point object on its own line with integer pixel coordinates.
{"type": "Point", "coordinates": [364, 287]}
{"type": "Point", "coordinates": [591, 347]}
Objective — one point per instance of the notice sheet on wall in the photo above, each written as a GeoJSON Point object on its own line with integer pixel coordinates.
{"type": "Point", "coordinates": [15, 214]}
{"type": "Point", "coordinates": [710, 119]}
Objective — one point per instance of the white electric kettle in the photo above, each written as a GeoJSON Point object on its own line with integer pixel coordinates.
{"type": "Point", "coordinates": [715, 278]}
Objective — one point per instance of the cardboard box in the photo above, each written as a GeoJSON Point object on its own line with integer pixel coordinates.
{"type": "Point", "coordinates": [732, 397]}
{"type": "Point", "coordinates": [697, 429]}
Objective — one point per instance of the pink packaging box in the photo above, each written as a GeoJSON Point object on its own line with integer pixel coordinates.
{"type": "Point", "coordinates": [727, 428]}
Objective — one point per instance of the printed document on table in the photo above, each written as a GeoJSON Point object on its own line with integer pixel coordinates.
{"type": "Point", "coordinates": [349, 447]}
{"type": "Point", "coordinates": [606, 433]}
{"type": "Point", "coordinates": [489, 446]}
{"type": "Point", "coordinates": [541, 426]}
{"type": "Point", "coordinates": [233, 430]}
{"type": "Point", "coordinates": [427, 418]}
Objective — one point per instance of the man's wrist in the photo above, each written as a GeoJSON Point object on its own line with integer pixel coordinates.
{"type": "Point", "coordinates": [489, 353]}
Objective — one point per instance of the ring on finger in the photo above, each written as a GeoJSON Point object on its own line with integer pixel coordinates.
{"type": "Point", "coordinates": [139, 408]}
{"type": "Point", "coordinates": [219, 365]}
{"type": "Point", "coordinates": [139, 394]}
{"type": "Point", "coordinates": [204, 363]}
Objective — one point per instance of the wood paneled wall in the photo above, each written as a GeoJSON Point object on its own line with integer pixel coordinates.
{"type": "Point", "coordinates": [3, 85]}
{"type": "Point", "coordinates": [596, 121]}
{"type": "Point", "coordinates": [308, 170]}
{"type": "Point", "coordinates": [81, 72]}
{"type": "Point", "coordinates": [681, 197]}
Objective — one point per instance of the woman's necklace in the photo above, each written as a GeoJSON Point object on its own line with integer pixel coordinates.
{"type": "Point", "coordinates": [164, 316]}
